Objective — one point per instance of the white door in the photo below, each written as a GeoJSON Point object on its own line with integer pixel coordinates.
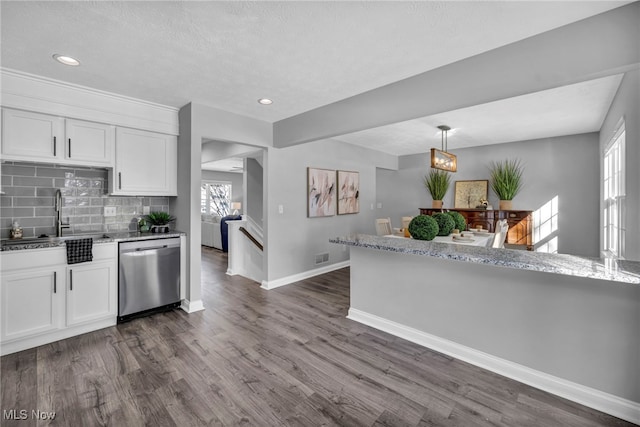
{"type": "Point", "coordinates": [31, 136]}
{"type": "Point", "coordinates": [31, 303]}
{"type": "Point", "coordinates": [146, 163]}
{"type": "Point", "coordinates": [91, 292]}
{"type": "Point", "coordinates": [89, 143]}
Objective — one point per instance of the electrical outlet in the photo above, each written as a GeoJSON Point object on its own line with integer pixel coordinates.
{"type": "Point", "coordinates": [109, 211]}
{"type": "Point", "coordinates": [280, 209]}
{"type": "Point", "coordinates": [146, 210]}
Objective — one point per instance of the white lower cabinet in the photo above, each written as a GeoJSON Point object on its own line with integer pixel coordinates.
{"type": "Point", "coordinates": [90, 294]}
{"type": "Point", "coordinates": [31, 302]}
{"type": "Point", "coordinates": [45, 300]}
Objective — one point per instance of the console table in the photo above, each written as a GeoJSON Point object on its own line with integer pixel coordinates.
{"type": "Point", "coordinates": [520, 222]}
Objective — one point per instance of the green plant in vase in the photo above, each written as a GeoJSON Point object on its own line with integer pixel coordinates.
{"type": "Point", "coordinates": [445, 223]}
{"type": "Point", "coordinates": [437, 182]}
{"type": "Point", "coordinates": [423, 227]}
{"type": "Point", "coordinates": [160, 221]}
{"type": "Point", "coordinates": [506, 180]}
{"type": "Point", "coordinates": [458, 218]}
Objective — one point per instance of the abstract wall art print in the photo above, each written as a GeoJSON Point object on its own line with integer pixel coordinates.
{"type": "Point", "coordinates": [321, 192]}
{"type": "Point", "coordinates": [348, 192]}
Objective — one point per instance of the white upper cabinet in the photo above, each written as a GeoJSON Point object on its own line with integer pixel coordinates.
{"type": "Point", "coordinates": [31, 136]}
{"type": "Point", "coordinates": [88, 143]}
{"type": "Point", "coordinates": [42, 137]}
{"type": "Point", "coordinates": [146, 164]}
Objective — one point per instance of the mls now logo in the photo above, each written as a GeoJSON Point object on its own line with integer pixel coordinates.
{"type": "Point", "coordinates": [23, 414]}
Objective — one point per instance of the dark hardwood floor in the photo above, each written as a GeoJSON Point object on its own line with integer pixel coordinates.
{"type": "Point", "coordinates": [267, 358]}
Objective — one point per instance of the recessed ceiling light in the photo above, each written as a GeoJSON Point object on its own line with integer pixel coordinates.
{"type": "Point", "coordinates": [265, 101]}
{"type": "Point", "coordinates": [66, 60]}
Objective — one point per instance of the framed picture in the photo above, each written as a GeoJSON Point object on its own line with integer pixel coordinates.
{"type": "Point", "coordinates": [348, 192]}
{"type": "Point", "coordinates": [321, 192]}
{"type": "Point", "coordinates": [470, 193]}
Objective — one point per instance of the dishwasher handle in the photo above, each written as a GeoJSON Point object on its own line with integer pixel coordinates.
{"type": "Point", "coordinates": [153, 248]}
{"type": "Point", "coordinates": [150, 245]}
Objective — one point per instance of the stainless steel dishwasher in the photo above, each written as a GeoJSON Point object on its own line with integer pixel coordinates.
{"type": "Point", "coordinates": [149, 277]}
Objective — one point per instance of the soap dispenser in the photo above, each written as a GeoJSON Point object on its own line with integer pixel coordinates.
{"type": "Point", "coordinates": [16, 231]}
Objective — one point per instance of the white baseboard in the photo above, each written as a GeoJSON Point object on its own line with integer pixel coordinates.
{"type": "Point", "coordinates": [49, 337]}
{"type": "Point", "coordinates": [272, 284]}
{"type": "Point", "coordinates": [192, 306]}
{"type": "Point", "coordinates": [596, 399]}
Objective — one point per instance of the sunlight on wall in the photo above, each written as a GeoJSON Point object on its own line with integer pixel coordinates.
{"type": "Point", "coordinates": [545, 227]}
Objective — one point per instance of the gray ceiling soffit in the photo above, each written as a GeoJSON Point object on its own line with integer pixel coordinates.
{"type": "Point", "coordinates": [599, 46]}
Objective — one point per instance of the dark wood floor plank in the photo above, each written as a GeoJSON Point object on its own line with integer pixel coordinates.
{"type": "Point", "coordinates": [285, 357]}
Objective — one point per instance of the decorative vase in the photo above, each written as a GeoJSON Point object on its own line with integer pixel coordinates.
{"type": "Point", "coordinates": [505, 205]}
{"type": "Point", "coordinates": [436, 204]}
{"type": "Point", "coordinates": [159, 228]}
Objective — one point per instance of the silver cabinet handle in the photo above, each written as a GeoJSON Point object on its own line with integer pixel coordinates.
{"type": "Point", "coordinates": [55, 281]}
{"type": "Point", "coordinates": [119, 180]}
{"type": "Point", "coordinates": [70, 280]}
{"type": "Point", "coordinates": [54, 146]}
{"type": "Point", "coordinates": [69, 147]}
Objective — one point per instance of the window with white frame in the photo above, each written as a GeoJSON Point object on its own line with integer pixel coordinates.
{"type": "Point", "coordinates": [215, 198]}
{"type": "Point", "coordinates": [614, 195]}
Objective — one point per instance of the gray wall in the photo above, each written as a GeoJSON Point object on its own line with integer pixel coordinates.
{"type": "Point", "coordinates": [294, 240]}
{"type": "Point", "coordinates": [566, 167]}
{"type": "Point", "coordinates": [200, 123]}
{"type": "Point", "coordinates": [626, 105]}
{"type": "Point", "coordinates": [582, 330]}
{"type": "Point", "coordinates": [237, 188]}
{"type": "Point", "coordinates": [254, 205]}
{"type": "Point", "coordinates": [30, 192]}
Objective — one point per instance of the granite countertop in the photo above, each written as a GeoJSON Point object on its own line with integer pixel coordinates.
{"type": "Point", "coordinates": [98, 238]}
{"type": "Point", "coordinates": [570, 265]}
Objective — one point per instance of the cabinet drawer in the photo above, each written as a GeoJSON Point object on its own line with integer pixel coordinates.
{"type": "Point", "coordinates": [35, 258]}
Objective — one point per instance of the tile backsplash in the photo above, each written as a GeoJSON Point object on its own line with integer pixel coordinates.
{"type": "Point", "coordinates": [29, 198]}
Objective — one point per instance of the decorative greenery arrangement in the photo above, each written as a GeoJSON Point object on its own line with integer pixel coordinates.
{"type": "Point", "coordinates": [423, 227]}
{"type": "Point", "coordinates": [445, 223]}
{"type": "Point", "coordinates": [506, 178]}
{"type": "Point", "coordinates": [160, 218]}
{"type": "Point", "coordinates": [458, 218]}
{"type": "Point", "coordinates": [437, 182]}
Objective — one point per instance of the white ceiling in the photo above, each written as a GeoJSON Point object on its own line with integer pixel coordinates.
{"type": "Point", "coordinates": [303, 55]}
{"type": "Point", "coordinates": [568, 110]}
{"type": "Point", "coordinates": [233, 164]}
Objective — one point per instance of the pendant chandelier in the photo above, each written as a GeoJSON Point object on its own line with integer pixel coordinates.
{"type": "Point", "coordinates": [440, 159]}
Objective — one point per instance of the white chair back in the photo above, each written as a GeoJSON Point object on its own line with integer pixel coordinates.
{"type": "Point", "coordinates": [406, 220]}
{"type": "Point", "coordinates": [501, 234]}
{"type": "Point", "coordinates": [383, 226]}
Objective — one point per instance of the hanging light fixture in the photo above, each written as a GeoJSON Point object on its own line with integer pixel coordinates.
{"type": "Point", "coordinates": [440, 159]}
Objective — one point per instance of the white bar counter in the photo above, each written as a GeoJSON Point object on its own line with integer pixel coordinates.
{"type": "Point", "coordinates": [564, 324]}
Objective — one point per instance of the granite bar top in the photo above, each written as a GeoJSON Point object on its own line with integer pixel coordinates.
{"type": "Point", "coordinates": [570, 265]}
{"type": "Point", "coordinates": [98, 238]}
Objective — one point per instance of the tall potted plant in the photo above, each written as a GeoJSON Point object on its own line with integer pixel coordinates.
{"type": "Point", "coordinates": [506, 180]}
{"type": "Point", "coordinates": [437, 182]}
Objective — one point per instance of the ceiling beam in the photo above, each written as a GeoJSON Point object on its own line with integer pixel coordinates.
{"type": "Point", "coordinates": [599, 46]}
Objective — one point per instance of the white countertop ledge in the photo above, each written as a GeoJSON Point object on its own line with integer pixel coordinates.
{"type": "Point", "coordinates": [569, 265]}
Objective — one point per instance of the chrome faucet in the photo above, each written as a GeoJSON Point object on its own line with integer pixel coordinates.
{"type": "Point", "coordinates": [59, 224]}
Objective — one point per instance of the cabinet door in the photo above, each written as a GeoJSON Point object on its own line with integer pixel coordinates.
{"type": "Point", "coordinates": [520, 227]}
{"type": "Point", "coordinates": [91, 292]}
{"type": "Point", "coordinates": [31, 302]}
{"type": "Point", "coordinates": [89, 143]}
{"type": "Point", "coordinates": [146, 163]}
{"type": "Point", "coordinates": [31, 136]}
